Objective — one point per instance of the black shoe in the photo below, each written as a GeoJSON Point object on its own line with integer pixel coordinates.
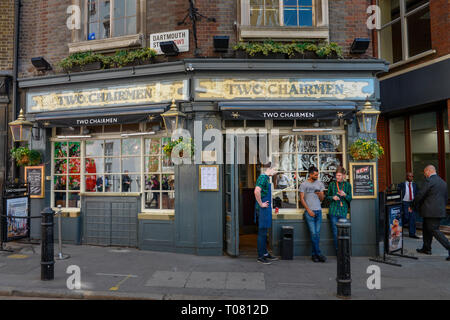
{"type": "Point", "coordinates": [315, 258]}
{"type": "Point", "coordinates": [423, 251]}
{"type": "Point", "coordinates": [270, 257]}
{"type": "Point", "coordinates": [322, 258]}
{"type": "Point", "coordinates": [414, 237]}
{"type": "Point", "coordinates": [263, 260]}
{"type": "Point", "coordinates": [448, 258]}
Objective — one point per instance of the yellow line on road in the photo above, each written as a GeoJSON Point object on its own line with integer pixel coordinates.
{"type": "Point", "coordinates": [116, 287]}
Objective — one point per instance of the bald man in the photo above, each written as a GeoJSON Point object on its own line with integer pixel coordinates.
{"type": "Point", "coordinates": [431, 201]}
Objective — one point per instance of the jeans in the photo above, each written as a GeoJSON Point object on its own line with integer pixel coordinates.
{"type": "Point", "coordinates": [409, 217]}
{"type": "Point", "coordinates": [334, 220]}
{"type": "Point", "coordinates": [262, 242]}
{"type": "Point", "coordinates": [314, 224]}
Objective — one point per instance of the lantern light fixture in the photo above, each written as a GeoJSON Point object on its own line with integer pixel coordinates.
{"type": "Point", "coordinates": [21, 128]}
{"type": "Point", "coordinates": [173, 118]}
{"type": "Point", "coordinates": [368, 118]}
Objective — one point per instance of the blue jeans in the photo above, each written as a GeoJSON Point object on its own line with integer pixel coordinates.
{"type": "Point", "coordinates": [262, 241]}
{"type": "Point", "coordinates": [409, 217]}
{"type": "Point", "coordinates": [314, 224]}
{"type": "Point", "coordinates": [334, 220]}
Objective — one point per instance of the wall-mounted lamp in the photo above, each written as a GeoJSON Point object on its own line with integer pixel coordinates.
{"type": "Point", "coordinates": [368, 118]}
{"type": "Point", "coordinates": [20, 128]}
{"type": "Point", "coordinates": [360, 45]}
{"type": "Point", "coordinates": [41, 64]}
{"type": "Point", "coordinates": [169, 48]}
{"type": "Point", "coordinates": [221, 43]}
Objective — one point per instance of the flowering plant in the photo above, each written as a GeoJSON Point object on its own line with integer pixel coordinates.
{"type": "Point", "coordinates": [363, 149]}
{"type": "Point", "coordinates": [186, 145]}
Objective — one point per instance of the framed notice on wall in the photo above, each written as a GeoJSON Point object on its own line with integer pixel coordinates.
{"type": "Point", "coordinates": [363, 178]}
{"type": "Point", "coordinates": [208, 178]}
{"type": "Point", "coordinates": [35, 176]}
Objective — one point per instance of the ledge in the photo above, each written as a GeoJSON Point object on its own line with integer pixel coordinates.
{"type": "Point", "coordinates": [284, 33]}
{"type": "Point", "coordinates": [293, 214]}
{"type": "Point", "coordinates": [160, 215]}
{"type": "Point", "coordinates": [411, 59]}
{"type": "Point", "coordinates": [110, 44]}
{"type": "Point", "coordinates": [111, 194]}
{"type": "Point", "coordinates": [69, 212]}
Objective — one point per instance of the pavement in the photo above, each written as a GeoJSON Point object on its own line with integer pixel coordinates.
{"type": "Point", "coordinates": [129, 273]}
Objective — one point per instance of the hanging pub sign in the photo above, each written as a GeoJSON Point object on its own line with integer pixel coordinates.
{"type": "Point", "coordinates": [283, 89]}
{"type": "Point", "coordinates": [111, 96]}
{"type": "Point", "coordinates": [34, 176]}
{"type": "Point", "coordinates": [286, 115]}
{"type": "Point", "coordinates": [363, 179]}
{"type": "Point", "coordinates": [15, 220]}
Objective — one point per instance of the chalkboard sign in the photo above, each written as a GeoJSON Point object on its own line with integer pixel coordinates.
{"type": "Point", "coordinates": [35, 178]}
{"type": "Point", "coordinates": [363, 178]}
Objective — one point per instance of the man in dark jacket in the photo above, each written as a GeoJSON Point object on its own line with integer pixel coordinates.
{"type": "Point", "coordinates": [409, 191]}
{"type": "Point", "coordinates": [431, 201]}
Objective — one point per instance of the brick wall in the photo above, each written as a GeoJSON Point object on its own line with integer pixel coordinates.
{"type": "Point", "coordinates": [347, 22]}
{"type": "Point", "coordinates": [44, 32]}
{"type": "Point", "coordinates": [383, 163]}
{"type": "Point", "coordinates": [6, 34]}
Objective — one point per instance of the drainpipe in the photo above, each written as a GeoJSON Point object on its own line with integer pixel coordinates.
{"type": "Point", "coordinates": [15, 98]}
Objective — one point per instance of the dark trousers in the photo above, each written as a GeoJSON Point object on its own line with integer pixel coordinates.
{"type": "Point", "coordinates": [409, 218]}
{"type": "Point", "coordinates": [430, 230]}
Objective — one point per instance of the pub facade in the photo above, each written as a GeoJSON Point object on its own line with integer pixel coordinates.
{"type": "Point", "coordinates": [103, 138]}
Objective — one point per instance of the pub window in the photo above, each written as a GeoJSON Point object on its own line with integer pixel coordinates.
{"type": "Point", "coordinates": [291, 13]}
{"type": "Point", "coordinates": [67, 173]}
{"type": "Point", "coordinates": [113, 165]}
{"type": "Point", "coordinates": [297, 153]}
{"type": "Point", "coordinates": [405, 29]}
{"type": "Point", "coordinates": [111, 18]}
{"type": "Point", "coordinates": [159, 175]}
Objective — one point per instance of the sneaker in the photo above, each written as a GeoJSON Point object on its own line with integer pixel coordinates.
{"type": "Point", "coordinates": [270, 257]}
{"type": "Point", "coordinates": [263, 260]}
{"type": "Point", "coordinates": [322, 258]}
{"type": "Point", "coordinates": [448, 258]}
{"type": "Point", "coordinates": [423, 251]}
{"type": "Point", "coordinates": [315, 259]}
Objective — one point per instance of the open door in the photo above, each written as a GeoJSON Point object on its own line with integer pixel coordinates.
{"type": "Point", "coordinates": [231, 233]}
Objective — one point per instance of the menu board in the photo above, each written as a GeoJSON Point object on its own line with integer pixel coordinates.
{"type": "Point", "coordinates": [34, 176]}
{"type": "Point", "coordinates": [209, 178]}
{"type": "Point", "coordinates": [363, 179]}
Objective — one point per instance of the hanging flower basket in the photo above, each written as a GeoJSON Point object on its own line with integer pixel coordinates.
{"type": "Point", "coordinates": [363, 149]}
{"type": "Point", "coordinates": [187, 145]}
{"type": "Point", "coordinates": [25, 157]}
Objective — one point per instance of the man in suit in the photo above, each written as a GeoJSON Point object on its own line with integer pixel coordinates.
{"type": "Point", "coordinates": [431, 201]}
{"type": "Point", "coordinates": [409, 191]}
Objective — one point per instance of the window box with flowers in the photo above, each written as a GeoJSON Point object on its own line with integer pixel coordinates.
{"type": "Point", "coordinates": [187, 146]}
{"type": "Point", "coordinates": [363, 149]}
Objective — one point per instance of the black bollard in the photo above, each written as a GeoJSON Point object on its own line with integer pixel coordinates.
{"type": "Point", "coordinates": [47, 254]}
{"type": "Point", "coordinates": [344, 277]}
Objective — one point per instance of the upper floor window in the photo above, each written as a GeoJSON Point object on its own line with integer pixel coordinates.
{"type": "Point", "coordinates": [405, 29]}
{"type": "Point", "coordinates": [297, 13]}
{"type": "Point", "coordinates": [111, 18]}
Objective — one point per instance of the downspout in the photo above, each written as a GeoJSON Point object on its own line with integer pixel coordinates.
{"type": "Point", "coordinates": [15, 99]}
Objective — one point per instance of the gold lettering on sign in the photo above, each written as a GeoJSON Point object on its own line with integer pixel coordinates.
{"type": "Point", "coordinates": [130, 95]}
{"type": "Point", "coordinates": [228, 89]}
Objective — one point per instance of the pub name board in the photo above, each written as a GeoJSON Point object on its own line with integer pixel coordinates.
{"type": "Point", "coordinates": [148, 93]}
{"type": "Point", "coordinates": [330, 89]}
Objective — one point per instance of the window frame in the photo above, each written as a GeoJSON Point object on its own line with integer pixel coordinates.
{"type": "Point", "coordinates": [102, 135]}
{"type": "Point", "coordinates": [403, 19]}
{"type": "Point", "coordinates": [318, 31]}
